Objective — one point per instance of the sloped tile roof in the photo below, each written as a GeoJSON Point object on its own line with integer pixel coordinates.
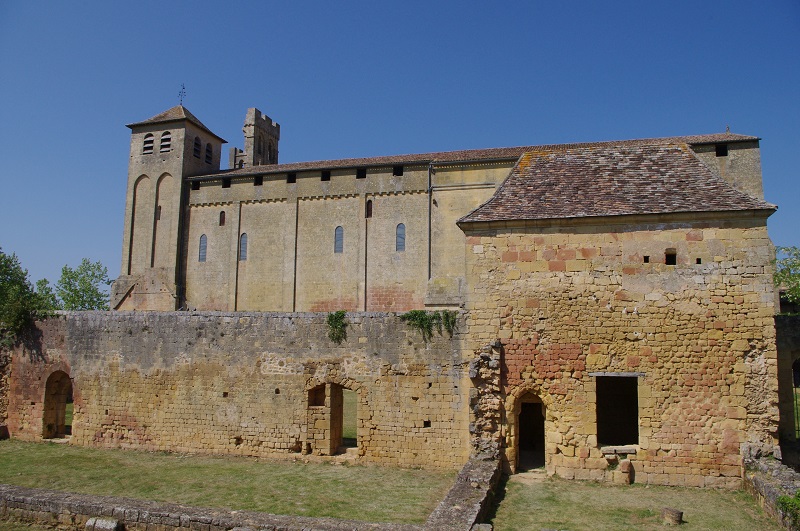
{"type": "Point", "coordinates": [611, 180]}
{"type": "Point", "coordinates": [445, 157]}
{"type": "Point", "coordinates": [175, 114]}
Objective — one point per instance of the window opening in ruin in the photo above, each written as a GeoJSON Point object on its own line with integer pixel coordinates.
{"type": "Point", "coordinates": [796, 399]}
{"type": "Point", "coordinates": [243, 247]}
{"type": "Point", "coordinates": [226, 183]}
{"type": "Point", "coordinates": [400, 238]}
{"type": "Point", "coordinates": [209, 154]}
{"type": "Point", "coordinates": [258, 180]}
{"type": "Point", "coordinates": [240, 164]}
{"type": "Point", "coordinates": [617, 410]}
{"type": "Point", "coordinates": [57, 419]}
{"type": "Point", "coordinates": [326, 175]}
{"type": "Point", "coordinates": [426, 423]}
{"type": "Point", "coordinates": [698, 261]}
{"type": "Point", "coordinates": [166, 142]}
{"type": "Point", "coordinates": [397, 171]}
{"type": "Point", "coordinates": [222, 218]}
{"type": "Point", "coordinates": [671, 257]}
{"type": "Point", "coordinates": [338, 240]}
{"type": "Point", "coordinates": [147, 146]}
{"type": "Point", "coordinates": [646, 259]}
{"type": "Point", "coordinates": [201, 255]}
{"type": "Point", "coordinates": [530, 433]}
{"type": "Point", "coordinates": [260, 144]}
{"type": "Point", "coordinates": [316, 396]}
{"type": "Point", "coordinates": [197, 146]}
{"type": "Point", "coordinates": [721, 150]}
{"type": "Point", "coordinates": [361, 173]}
{"type": "Point", "coordinates": [368, 212]}
{"type": "Point", "coordinates": [291, 178]}
{"type": "Point", "coordinates": [195, 185]}
{"type": "Point", "coordinates": [158, 213]}
{"type": "Point", "coordinates": [349, 419]}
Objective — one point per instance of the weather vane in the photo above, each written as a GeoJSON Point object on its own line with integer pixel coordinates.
{"type": "Point", "coordinates": [182, 93]}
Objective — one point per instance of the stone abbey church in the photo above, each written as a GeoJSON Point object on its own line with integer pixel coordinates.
{"type": "Point", "coordinates": [615, 308]}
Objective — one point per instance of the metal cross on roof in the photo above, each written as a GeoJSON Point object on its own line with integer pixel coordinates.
{"type": "Point", "coordinates": [182, 93]}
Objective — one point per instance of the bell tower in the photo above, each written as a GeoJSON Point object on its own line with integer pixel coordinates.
{"type": "Point", "coordinates": [165, 149]}
{"type": "Point", "coordinates": [261, 136]}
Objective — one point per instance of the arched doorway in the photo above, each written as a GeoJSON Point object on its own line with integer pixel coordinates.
{"type": "Point", "coordinates": [530, 432]}
{"type": "Point", "coordinates": [57, 393]}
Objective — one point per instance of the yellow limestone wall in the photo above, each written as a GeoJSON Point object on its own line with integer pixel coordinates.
{"type": "Point", "coordinates": [571, 301]}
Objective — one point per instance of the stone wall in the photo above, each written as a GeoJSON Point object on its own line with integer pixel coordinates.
{"type": "Point", "coordinates": [244, 384]}
{"type": "Point", "coordinates": [5, 372]}
{"type": "Point", "coordinates": [569, 305]}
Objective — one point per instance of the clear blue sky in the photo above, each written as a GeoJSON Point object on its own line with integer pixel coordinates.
{"type": "Point", "coordinates": [371, 78]}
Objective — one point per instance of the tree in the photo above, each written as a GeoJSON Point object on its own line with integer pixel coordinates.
{"type": "Point", "coordinates": [47, 296]}
{"type": "Point", "coordinates": [82, 288]}
{"type": "Point", "coordinates": [19, 303]}
{"type": "Point", "coordinates": [787, 272]}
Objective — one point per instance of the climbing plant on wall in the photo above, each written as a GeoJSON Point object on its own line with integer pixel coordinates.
{"type": "Point", "coordinates": [425, 321]}
{"type": "Point", "coordinates": [337, 326]}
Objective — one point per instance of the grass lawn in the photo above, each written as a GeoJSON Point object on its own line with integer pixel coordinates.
{"type": "Point", "coordinates": [368, 493]}
{"type": "Point", "coordinates": [562, 504]}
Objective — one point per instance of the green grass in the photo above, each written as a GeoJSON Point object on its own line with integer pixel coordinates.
{"type": "Point", "coordinates": [368, 493]}
{"type": "Point", "coordinates": [68, 415]}
{"type": "Point", "coordinates": [563, 504]}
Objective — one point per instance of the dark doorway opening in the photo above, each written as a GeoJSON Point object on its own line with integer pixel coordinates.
{"type": "Point", "coordinates": [530, 426]}
{"type": "Point", "coordinates": [56, 423]}
{"type": "Point", "coordinates": [617, 410]}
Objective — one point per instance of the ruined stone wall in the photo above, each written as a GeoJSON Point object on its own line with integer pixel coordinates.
{"type": "Point", "coordinates": [788, 343]}
{"type": "Point", "coordinates": [241, 384]}
{"type": "Point", "coordinates": [570, 304]}
{"type": "Point", "coordinates": [5, 370]}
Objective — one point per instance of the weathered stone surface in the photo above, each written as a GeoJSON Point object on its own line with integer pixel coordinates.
{"type": "Point", "coordinates": [240, 383]}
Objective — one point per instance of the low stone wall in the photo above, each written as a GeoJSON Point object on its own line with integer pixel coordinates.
{"type": "Point", "coordinates": [260, 384]}
{"type": "Point", "coordinates": [467, 502]}
{"type": "Point", "coordinates": [72, 512]}
{"type": "Point", "coordinates": [768, 479]}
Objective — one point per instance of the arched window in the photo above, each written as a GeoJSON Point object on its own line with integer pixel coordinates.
{"type": "Point", "coordinates": [222, 218]}
{"type": "Point", "coordinates": [209, 154]}
{"type": "Point", "coordinates": [338, 240]}
{"type": "Point", "coordinates": [368, 211]}
{"type": "Point", "coordinates": [243, 247]}
{"type": "Point", "coordinates": [166, 142]}
{"type": "Point", "coordinates": [147, 146]}
{"type": "Point", "coordinates": [201, 256]}
{"type": "Point", "coordinates": [400, 238]}
{"type": "Point", "coordinates": [197, 146]}
{"type": "Point", "coordinates": [260, 145]}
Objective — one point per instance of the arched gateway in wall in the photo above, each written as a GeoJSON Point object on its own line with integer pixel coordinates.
{"type": "Point", "coordinates": [58, 391]}
{"type": "Point", "coordinates": [526, 413]}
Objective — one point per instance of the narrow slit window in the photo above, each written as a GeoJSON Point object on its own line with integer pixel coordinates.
{"type": "Point", "coordinates": [258, 180]}
{"type": "Point", "coordinates": [209, 154]}
{"type": "Point", "coordinates": [195, 185]}
{"type": "Point", "coordinates": [197, 146]}
{"type": "Point", "coordinates": [326, 175]}
{"type": "Point", "coordinates": [617, 410]}
{"type": "Point", "coordinates": [147, 145]}
{"type": "Point", "coordinates": [361, 173]}
{"type": "Point", "coordinates": [338, 240]}
{"type": "Point", "coordinates": [368, 211]}
{"type": "Point", "coordinates": [699, 261]}
{"type": "Point", "coordinates": [243, 247]}
{"type": "Point", "coordinates": [201, 256]}
{"type": "Point", "coordinates": [166, 142]}
{"type": "Point", "coordinates": [671, 257]}
{"type": "Point", "coordinates": [646, 259]}
{"type": "Point", "coordinates": [222, 219]}
{"type": "Point", "coordinates": [226, 183]}
{"type": "Point", "coordinates": [291, 178]}
{"type": "Point", "coordinates": [400, 238]}
{"type": "Point", "coordinates": [397, 171]}
{"type": "Point", "coordinates": [158, 213]}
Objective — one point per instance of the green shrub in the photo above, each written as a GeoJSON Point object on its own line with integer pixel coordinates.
{"type": "Point", "coordinates": [425, 321]}
{"type": "Point", "coordinates": [337, 326]}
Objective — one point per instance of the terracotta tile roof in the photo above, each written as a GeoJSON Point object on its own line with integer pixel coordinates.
{"type": "Point", "coordinates": [445, 157]}
{"type": "Point", "coordinates": [611, 180]}
{"type": "Point", "coordinates": [175, 114]}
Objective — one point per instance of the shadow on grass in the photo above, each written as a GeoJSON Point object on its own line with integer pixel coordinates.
{"type": "Point", "coordinates": [497, 499]}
